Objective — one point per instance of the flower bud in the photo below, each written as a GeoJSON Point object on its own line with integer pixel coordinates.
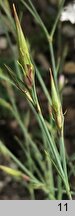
{"type": "Point", "coordinates": [15, 173]}
{"type": "Point", "coordinates": [56, 105]}
{"type": "Point", "coordinates": [24, 56]}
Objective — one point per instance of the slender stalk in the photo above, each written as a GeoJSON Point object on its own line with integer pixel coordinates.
{"type": "Point", "coordinates": [57, 18]}
{"type": "Point", "coordinates": [63, 155]}
{"type": "Point", "coordinates": [53, 63]}
{"type": "Point", "coordinates": [63, 159]}
{"type": "Point", "coordinates": [43, 86]}
{"type": "Point", "coordinates": [59, 182]}
{"type": "Point", "coordinates": [49, 173]}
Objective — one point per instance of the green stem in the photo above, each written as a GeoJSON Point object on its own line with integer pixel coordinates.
{"type": "Point", "coordinates": [63, 155]}
{"type": "Point", "coordinates": [63, 159]}
{"type": "Point", "coordinates": [53, 62]}
{"type": "Point", "coordinates": [57, 18]}
{"type": "Point", "coordinates": [43, 86]}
